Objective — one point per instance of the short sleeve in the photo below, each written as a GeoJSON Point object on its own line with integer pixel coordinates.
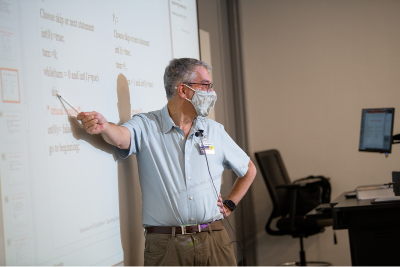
{"type": "Point", "coordinates": [234, 157]}
{"type": "Point", "coordinates": [136, 127]}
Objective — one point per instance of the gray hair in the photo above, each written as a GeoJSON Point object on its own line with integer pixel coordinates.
{"type": "Point", "coordinates": [181, 70]}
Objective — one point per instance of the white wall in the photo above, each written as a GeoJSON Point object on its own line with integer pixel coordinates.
{"type": "Point", "coordinates": [310, 67]}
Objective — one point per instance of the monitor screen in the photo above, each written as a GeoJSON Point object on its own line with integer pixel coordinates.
{"type": "Point", "coordinates": [377, 130]}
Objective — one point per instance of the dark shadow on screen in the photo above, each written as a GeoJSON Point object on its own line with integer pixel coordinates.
{"type": "Point", "coordinates": [79, 133]}
{"type": "Point", "coordinates": [129, 192]}
{"type": "Point", "coordinates": [124, 100]}
{"type": "Point", "coordinates": [130, 198]}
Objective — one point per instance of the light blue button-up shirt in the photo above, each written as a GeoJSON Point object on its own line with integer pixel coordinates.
{"type": "Point", "coordinates": [175, 181]}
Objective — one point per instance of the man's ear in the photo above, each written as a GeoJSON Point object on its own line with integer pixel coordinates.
{"type": "Point", "coordinates": [180, 90]}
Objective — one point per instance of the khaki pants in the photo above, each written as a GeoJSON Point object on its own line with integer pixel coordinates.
{"type": "Point", "coordinates": [201, 249]}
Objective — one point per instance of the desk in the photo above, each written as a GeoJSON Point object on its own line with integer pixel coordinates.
{"type": "Point", "coordinates": [374, 229]}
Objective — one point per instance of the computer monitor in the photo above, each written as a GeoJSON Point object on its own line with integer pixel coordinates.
{"type": "Point", "coordinates": [377, 130]}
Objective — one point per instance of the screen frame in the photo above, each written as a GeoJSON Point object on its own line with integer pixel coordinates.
{"type": "Point", "coordinates": [376, 150]}
{"type": "Point", "coordinates": [31, 200]}
{"type": "Point", "coordinates": [198, 27]}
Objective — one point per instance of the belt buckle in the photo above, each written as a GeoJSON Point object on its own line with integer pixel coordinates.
{"type": "Point", "coordinates": [183, 228]}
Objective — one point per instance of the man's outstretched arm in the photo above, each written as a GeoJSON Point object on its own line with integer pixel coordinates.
{"type": "Point", "coordinates": [95, 123]}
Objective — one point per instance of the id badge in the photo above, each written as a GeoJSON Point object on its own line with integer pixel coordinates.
{"type": "Point", "coordinates": [208, 149]}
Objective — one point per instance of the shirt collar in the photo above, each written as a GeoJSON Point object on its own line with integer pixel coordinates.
{"type": "Point", "coordinates": [168, 123]}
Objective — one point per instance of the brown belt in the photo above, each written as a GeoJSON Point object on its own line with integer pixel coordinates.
{"type": "Point", "coordinates": [189, 229]}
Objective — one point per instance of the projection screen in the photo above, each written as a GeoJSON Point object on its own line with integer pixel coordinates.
{"type": "Point", "coordinates": [59, 188]}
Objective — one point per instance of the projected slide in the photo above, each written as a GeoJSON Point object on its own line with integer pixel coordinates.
{"type": "Point", "coordinates": [376, 128]}
{"type": "Point", "coordinates": [59, 185]}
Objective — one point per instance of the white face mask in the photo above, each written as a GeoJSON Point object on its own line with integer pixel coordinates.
{"type": "Point", "coordinates": [203, 102]}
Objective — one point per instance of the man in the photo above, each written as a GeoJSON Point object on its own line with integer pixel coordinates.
{"type": "Point", "coordinates": [181, 156]}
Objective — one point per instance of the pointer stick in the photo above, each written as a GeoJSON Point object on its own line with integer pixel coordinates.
{"type": "Point", "coordinates": [60, 97]}
{"type": "Point", "coordinates": [62, 103]}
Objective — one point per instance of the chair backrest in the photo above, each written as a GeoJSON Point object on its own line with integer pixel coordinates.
{"type": "Point", "coordinates": [274, 173]}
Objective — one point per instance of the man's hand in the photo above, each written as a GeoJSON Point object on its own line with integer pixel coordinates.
{"type": "Point", "coordinates": [222, 208]}
{"type": "Point", "coordinates": [93, 122]}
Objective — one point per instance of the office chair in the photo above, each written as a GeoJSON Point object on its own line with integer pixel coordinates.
{"type": "Point", "coordinates": [285, 197]}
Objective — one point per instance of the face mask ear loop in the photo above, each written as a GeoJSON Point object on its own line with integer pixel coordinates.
{"type": "Point", "coordinates": [176, 87]}
{"type": "Point", "coordinates": [191, 89]}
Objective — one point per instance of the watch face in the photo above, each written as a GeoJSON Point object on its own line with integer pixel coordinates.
{"type": "Point", "coordinates": [230, 204]}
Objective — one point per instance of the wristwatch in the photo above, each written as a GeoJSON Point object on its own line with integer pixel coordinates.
{"type": "Point", "coordinates": [230, 204]}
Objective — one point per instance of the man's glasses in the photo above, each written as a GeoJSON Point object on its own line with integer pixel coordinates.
{"type": "Point", "coordinates": [204, 86]}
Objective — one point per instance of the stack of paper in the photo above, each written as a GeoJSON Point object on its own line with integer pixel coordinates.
{"type": "Point", "coordinates": [374, 191]}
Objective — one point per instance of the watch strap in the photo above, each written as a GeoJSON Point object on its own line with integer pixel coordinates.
{"type": "Point", "coordinates": [230, 204]}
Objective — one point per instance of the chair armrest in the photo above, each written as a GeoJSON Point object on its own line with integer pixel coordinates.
{"type": "Point", "coordinates": [293, 186]}
{"type": "Point", "coordinates": [311, 179]}
{"type": "Point", "coordinates": [302, 182]}
{"type": "Point", "coordinates": [289, 186]}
